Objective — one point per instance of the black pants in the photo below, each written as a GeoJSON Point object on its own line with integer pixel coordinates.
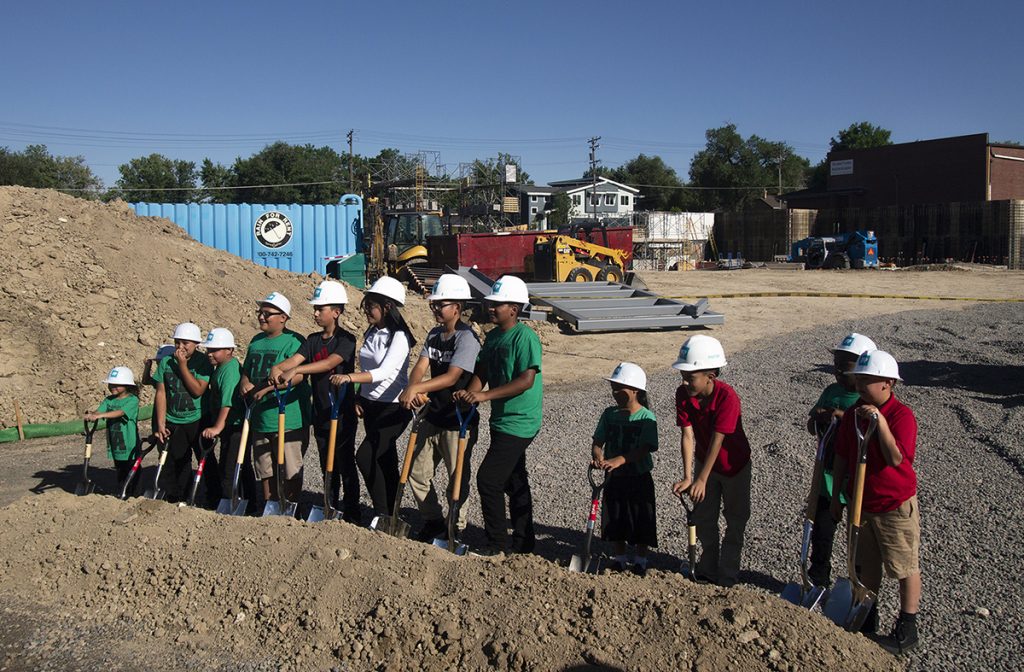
{"type": "Point", "coordinates": [377, 457]}
{"type": "Point", "coordinates": [346, 474]}
{"type": "Point", "coordinates": [822, 536]}
{"type": "Point", "coordinates": [503, 472]}
{"type": "Point", "coordinates": [124, 468]}
{"type": "Point", "coordinates": [176, 479]}
{"type": "Point", "coordinates": [248, 486]}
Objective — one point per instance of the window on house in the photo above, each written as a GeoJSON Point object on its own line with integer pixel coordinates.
{"type": "Point", "coordinates": [533, 211]}
{"type": "Point", "coordinates": [609, 199]}
{"type": "Point", "coordinates": [533, 199]}
{"type": "Point", "coordinates": [624, 200]}
{"type": "Point", "coordinates": [595, 199]}
{"type": "Point", "coordinates": [577, 199]}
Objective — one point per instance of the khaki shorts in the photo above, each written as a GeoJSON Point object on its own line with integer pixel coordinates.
{"type": "Point", "coordinates": [264, 453]}
{"type": "Point", "coordinates": [892, 540]}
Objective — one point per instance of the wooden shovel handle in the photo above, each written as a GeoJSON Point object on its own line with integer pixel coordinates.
{"type": "Point", "coordinates": [407, 464]}
{"type": "Point", "coordinates": [280, 439]}
{"type": "Point", "coordinates": [332, 437]}
{"type": "Point", "coordinates": [243, 442]}
{"type": "Point", "coordinates": [858, 495]}
{"type": "Point", "coordinates": [459, 461]}
{"type": "Point", "coordinates": [88, 450]}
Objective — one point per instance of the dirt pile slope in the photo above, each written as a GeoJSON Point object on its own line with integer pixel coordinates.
{"type": "Point", "coordinates": [89, 285]}
{"type": "Point", "coordinates": [199, 590]}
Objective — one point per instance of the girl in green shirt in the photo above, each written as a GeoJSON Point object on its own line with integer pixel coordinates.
{"type": "Point", "coordinates": [121, 411]}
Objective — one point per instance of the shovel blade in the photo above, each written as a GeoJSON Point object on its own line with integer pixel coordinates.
{"type": "Point", "coordinates": [591, 565]}
{"type": "Point", "coordinates": [459, 548]}
{"type": "Point", "coordinates": [859, 611]}
{"type": "Point", "coordinates": [391, 525]}
{"type": "Point", "coordinates": [812, 598]}
{"type": "Point", "coordinates": [840, 600]}
{"type": "Point", "coordinates": [85, 488]}
{"type": "Point", "coordinates": [793, 593]}
{"type": "Point", "coordinates": [154, 494]}
{"type": "Point", "coordinates": [319, 513]}
{"type": "Point", "coordinates": [276, 508]}
{"type": "Point", "coordinates": [224, 507]}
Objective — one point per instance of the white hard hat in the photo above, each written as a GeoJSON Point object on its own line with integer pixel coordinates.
{"type": "Point", "coordinates": [219, 337]}
{"type": "Point", "coordinates": [120, 375]}
{"type": "Point", "coordinates": [279, 301]}
{"type": "Point", "coordinates": [855, 344]}
{"type": "Point", "coordinates": [629, 374]}
{"type": "Point", "coordinates": [700, 353]}
{"type": "Point", "coordinates": [877, 363]}
{"type": "Point", "coordinates": [450, 286]}
{"type": "Point", "coordinates": [509, 289]}
{"type": "Point", "coordinates": [186, 331]}
{"type": "Point", "coordinates": [329, 293]}
{"type": "Point", "coordinates": [389, 287]}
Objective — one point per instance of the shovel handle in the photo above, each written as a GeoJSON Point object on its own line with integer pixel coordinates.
{"type": "Point", "coordinates": [280, 439]}
{"type": "Point", "coordinates": [332, 437]}
{"type": "Point", "coordinates": [459, 462]}
{"type": "Point", "coordinates": [411, 448]}
{"type": "Point", "coordinates": [597, 486]}
{"type": "Point", "coordinates": [243, 441]}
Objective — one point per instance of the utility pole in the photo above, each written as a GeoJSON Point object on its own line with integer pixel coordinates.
{"type": "Point", "coordinates": [780, 175]}
{"type": "Point", "coordinates": [351, 184]}
{"type": "Point", "coordinates": [593, 170]}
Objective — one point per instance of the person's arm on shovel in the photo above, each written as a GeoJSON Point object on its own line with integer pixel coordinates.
{"type": "Point", "coordinates": [108, 415]}
{"type": "Point", "coordinates": [701, 482]}
{"type": "Point", "coordinates": [890, 449]}
{"type": "Point", "coordinates": [218, 426]}
{"type": "Point", "coordinates": [686, 447]}
{"type": "Point", "coordinates": [517, 385]}
{"type": "Point", "coordinates": [160, 409]}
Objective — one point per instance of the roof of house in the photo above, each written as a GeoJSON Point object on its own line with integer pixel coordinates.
{"type": "Point", "coordinates": [584, 182]}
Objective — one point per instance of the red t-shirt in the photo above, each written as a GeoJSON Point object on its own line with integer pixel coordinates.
{"type": "Point", "coordinates": [718, 413]}
{"type": "Point", "coordinates": [885, 487]}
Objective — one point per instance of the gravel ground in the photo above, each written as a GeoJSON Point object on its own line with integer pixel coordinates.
{"type": "Point", "coordinates": [965, 383]}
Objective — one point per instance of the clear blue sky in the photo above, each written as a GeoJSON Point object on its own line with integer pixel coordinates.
{"type": "Point", "coordinates": [535, 79]}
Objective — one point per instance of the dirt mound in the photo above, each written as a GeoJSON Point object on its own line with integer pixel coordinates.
{"type": "Point", "coordinates": [195, 589]}
{"type": "Point", "coordinates": [89, 285]}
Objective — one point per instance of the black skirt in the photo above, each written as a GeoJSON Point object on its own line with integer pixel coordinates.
{"type": "Point", "coordinates": [628, 510]}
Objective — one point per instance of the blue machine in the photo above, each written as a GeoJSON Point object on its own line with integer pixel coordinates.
{"type": "Point", "coordinates": [294, 237]}
{"type": "Point", "coordinates": [858, 249]}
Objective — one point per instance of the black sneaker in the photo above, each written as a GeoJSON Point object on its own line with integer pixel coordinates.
{"type": "Point", "coordinates": [902, 639]}
{"type": "Point", "coordinates": [432, 529]}
{"type": "Point", "coordinates": [353, 516]}
{"type": "Point", "coordinates": [640, 570]}
{"type": "Point", "coordinates": [616, 566]}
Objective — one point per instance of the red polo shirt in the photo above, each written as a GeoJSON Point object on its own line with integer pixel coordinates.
{"type": "Point", "coordinates": [718, 413]}
{"type": "Point", "coordinates": [885, 487]}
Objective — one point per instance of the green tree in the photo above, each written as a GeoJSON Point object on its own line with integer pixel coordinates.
{"type": "Point", "coordinates": [659, 185]}
{"type": "Point", "coordinates": [308, 174]}
{"type": "Point", "coordinates": [36, 167]}
{"type": "Point", "coordinates": [216, 177]}
{"type": "Point", "coordinates": [158, 178]}
{"type": "Point", "coordinates": [860, 135]}
{"type": "Point", "coordinates": [734, 170]}
{"type": "Point", "coordinates": [561, 211]}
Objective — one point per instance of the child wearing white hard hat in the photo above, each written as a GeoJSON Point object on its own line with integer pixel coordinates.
{"type": "Point", "coordinates": [181, 380]}
{"type": "Point", "coordinates": [890, 533]}
{"type": "Point", "coordinates": [121, 411]}
{"type": "Point", "coordinates": [626, 435]}
{"type": "Point", "coordinates": [715, 447]}
{"type": "Point", "coordinates": [384, 364]}
{"type": "Point", "coordinates": [274, 344]}
{"type": "Point", "coordinates": [222, 414]}
{"type": "Point", "coordinates": [325, 353]}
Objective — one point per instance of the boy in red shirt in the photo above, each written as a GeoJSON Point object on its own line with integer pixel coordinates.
{"type": "Point", "coordinates": [890, 534]}
{"type": "Point", "coordinates": [708, 411]}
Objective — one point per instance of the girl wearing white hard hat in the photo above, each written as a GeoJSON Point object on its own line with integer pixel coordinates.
{"type": "Point", "coordinates": [626, 435]}
{"type": "Point", "coordinates": [325, 353]}
{"type": "Point", "coordinates": [384, 360]}
{"type": "Point", "coordinates": [121, 411]}
{"type": "Point", "coordinates": [181, 380]}
{"type": "Point", "coordinates": [222, 416]}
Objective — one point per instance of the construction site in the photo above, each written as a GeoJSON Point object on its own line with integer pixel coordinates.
{"type": "Point", "coordinates": [97, 581]}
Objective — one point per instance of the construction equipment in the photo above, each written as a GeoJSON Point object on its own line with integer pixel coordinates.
{"type": "Point", "coordinates": [140, 453]}
{"type": "Point", "coordinates": [691, 539]}
{"type": "Point", "coordinates": [562, 258]}
{"type": "Point", "coordinates": [393, 524]}
{"type": "Point", "coordinates": [585, 562]}
{"type": "Point", "coordinates": [86, 485]}
{"type": "Point", "coordinates": [327, 511]}
{"type": "Point", "coordinates": [805, 593]}
{"type": "Point", "coordinates": [156, 492]}
{"type": "Point", "coordinates": [198, 476]}
{"type": "Point", "coordinates": [455, 501]}
{"type": "Point", "coordinates": [858, 249]}
{"type": "Point", "coordinates": [235, 505]}
{"type": "Point", "coordinates": [281, 506]}
{"type": "Point", "coordinates": [850, 601]}
{"type": "Point", "coordinates": [397, 238]}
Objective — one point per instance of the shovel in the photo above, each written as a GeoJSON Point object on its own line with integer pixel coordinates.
{"type": "Point", "coordinates": [850, 601]}
{"type": "Point", "coordinates": [136, 465]}
{"type": "Point", "coordinates": [805, 593]}
{"type": "Point", "coordinates": [585, 562]}
{"type": "Point", "coordinates": [199, 469]}
{"type": "Point", "coordinates": [691, 539]}
{"type": "Point", "coordinates": [86, 485]}
{"type": "Point", "coordinates": [327, 511]}
{"type": "Point", "coordinates": [393, 524]}
{"type": "Point", "coordinates": [281, 506]}
{"type": "Point", "coordinates": [235, 505]}
{"type": "Point", "coordinates": [454, 504]}
{"type": "Point", "coordinates": [156, 492]}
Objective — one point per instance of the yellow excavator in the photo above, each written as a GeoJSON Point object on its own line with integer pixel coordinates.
{"type": "Point", "coordinates": [398, 238]}
{"type": "Point", "coordinates": [562, 258]}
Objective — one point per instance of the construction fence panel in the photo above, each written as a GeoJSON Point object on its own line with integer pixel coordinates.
{"type": "Point", "coordinates": [294, 237]}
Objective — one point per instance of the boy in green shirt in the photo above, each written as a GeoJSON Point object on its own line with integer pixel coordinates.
{"type": "Point", "coordinates": [121, 411]}
{"type": "Point", "coordinates": [509, 365]}
{"type": "Point", "coordinates": [180, 381]}
{"type": "Point", "coordinates": [222, 412]}
{"type": "Point", "coordinates": [272, 346]}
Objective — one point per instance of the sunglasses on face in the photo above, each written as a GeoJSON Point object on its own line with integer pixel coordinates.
{"type": "Point", "coordinates": [440, 306]}
{"type": "Point", "coordinates": [266, 314]}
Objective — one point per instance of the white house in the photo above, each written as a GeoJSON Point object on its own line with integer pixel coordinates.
{"type": "Point", "coordinates": [613, 200]}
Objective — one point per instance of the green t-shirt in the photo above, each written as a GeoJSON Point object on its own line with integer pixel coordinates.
{"type": "Point", "coordinates": [223, 391]}
{"type": "Point", "coordinates": [503, 357]}
{"type": "Point", "coordinates": [621, 433]}
{"type": "Point", "coordinates": [262, 354]}
{"type": "Point", "coordinates": [838, 397]}
{"type": "Point", "coordinates": [122, 432]}
{"type": "Point", "coordinates": [182, 407]}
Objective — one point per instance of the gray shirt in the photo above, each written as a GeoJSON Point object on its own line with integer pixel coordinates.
{"type": "Point", "coordinates": [459, 349]}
